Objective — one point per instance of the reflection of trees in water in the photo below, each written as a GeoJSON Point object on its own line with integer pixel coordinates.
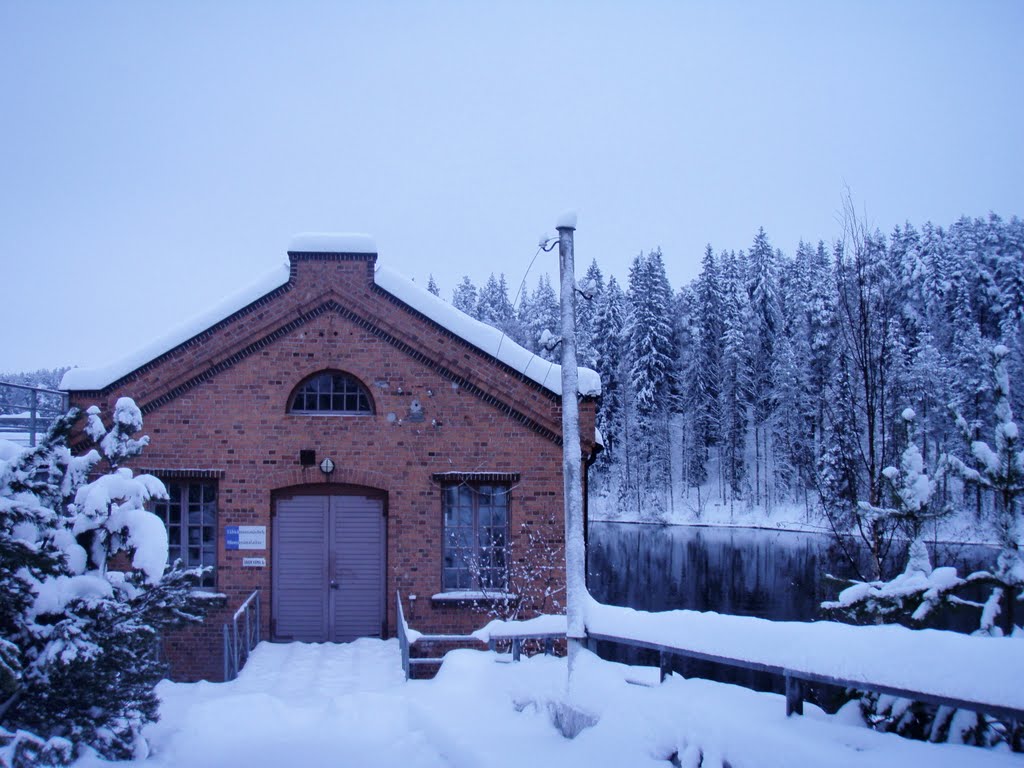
{"type": "Point", "coordinates": [755, 573]}
{"type": "Point", "coordinates": [776, 575]}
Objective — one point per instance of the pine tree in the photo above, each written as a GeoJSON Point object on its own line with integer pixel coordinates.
{"type": "Point", "coordinates": [608, 337]}
{"type": "Point", "coordinates": [838, 476]}
{"type": "Point", "coordinates": [735, 387]}
{"type": "Point", "coordinates": [86, 636]}
{"type": "Point", "coordinates": [464, 296]}
{"type": "Point", "coordinates": [708, 355]}
{"type": "Point", "coordinates": [1009, 274]}
{"type": "Point", "coordinates": [592, 287]}
{"type": "Point", "coordinates": [999, 469]}
{"type": "Point", "coordinates": [493, 306]}
{"type": "Point", "coordinates": [543, 315]}
{"type": "Point", "coordinates": [652, 375]}
{"type": "Point", "coordinates": [432, 286]}
{"type": "Point", "coordinates": [766, 320]}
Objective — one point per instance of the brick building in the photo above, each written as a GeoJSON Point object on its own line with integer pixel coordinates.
{"type": "Point", "coordinates": [337, 435]}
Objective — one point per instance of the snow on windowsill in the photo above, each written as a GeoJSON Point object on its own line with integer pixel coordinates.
{"type": "Point", "coordinates": [463, 595]}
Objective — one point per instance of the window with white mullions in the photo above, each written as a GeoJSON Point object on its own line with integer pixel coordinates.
{"type": "Point", "coordinates": [475, 537]}
{"type": "Point", "coordinates": [190, 514]}
{"type": "Point", "coordinates": [331, 392]}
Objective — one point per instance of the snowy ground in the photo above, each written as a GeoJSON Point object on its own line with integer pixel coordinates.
{"type": "Point", "coordinates": [305, 706]}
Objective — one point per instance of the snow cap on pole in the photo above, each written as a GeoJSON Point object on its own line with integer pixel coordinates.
{"type": "Point", "coordinates": [567, 220]}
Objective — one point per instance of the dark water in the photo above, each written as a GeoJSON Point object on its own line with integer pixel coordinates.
{"type": "Point", "coordinates": [751, 572]}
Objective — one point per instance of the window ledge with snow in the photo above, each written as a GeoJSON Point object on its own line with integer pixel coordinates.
{"type": "Point", "coordinates": [473, 596]}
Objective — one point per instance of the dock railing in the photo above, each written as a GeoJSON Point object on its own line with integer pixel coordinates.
{"type": "Point", "coordinates": [795, 680]}
{"type": "Point", "coordinates": [241, 636]}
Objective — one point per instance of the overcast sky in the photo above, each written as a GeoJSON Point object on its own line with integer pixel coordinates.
{"type": "Point", "coordinates": [156, 156]}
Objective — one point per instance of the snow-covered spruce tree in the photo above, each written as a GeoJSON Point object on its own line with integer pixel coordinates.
{"type": "Point", "coordinates": [30, 492]}
{"type": "Point", "coordinates": [591, 289]}
{"type": "Point", "coordinates": [765, 326]}
{"type": "Point", "coordinates": [998, 469]}
{"type": "Point", "coordinates": [464, 296]}
{"type": "Point", "coordinates": [432, 286]}
{"type": "Point", "coordinates": [87, 635]}
{"type": "Point", "coordinates": [837, 478]}
{"type": "Point", "coordinates": [492, 304]}
{"type": "Point", "coordinates": [543, 315]}
{"type": "Point", "coordinates": [734, 388]}
{"type": "Point", "coordinates": [651, 349]}
{"type": "Point", "coordinates": [608, 343]}
{"type": "Point", "coordinates": [707, 357]}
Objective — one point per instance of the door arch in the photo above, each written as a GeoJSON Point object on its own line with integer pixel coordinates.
{"type": "Point", "coordinates": [329, 552]}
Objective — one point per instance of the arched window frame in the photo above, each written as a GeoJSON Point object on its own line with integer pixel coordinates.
{"type": "Point", "coordinates": [356, 389]}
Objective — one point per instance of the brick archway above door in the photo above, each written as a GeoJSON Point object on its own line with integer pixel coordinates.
{"type": "Point", "coordinates": [288, 477]}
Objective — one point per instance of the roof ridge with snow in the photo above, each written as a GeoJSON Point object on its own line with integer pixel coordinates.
{"type": "Point", "coordinates": [486, 338]}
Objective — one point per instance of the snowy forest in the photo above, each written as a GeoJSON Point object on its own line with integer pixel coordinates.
{"type": "Point", "coordinates": [777, 379]}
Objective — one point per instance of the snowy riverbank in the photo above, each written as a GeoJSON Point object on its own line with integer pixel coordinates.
{"type": "Point", "coordinates": [960, 527]}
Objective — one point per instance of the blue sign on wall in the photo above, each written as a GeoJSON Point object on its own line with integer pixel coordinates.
{"type": "Point", "coordinates": [245, 537]}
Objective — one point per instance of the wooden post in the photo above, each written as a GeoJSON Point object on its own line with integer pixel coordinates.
{"type": "Point", "coordinates": [517, 648]}
{"type": "Point", "coordinates": [664, 664]}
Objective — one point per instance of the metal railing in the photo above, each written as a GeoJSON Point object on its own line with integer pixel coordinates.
{"type": "Point", "coordinates": [795, 680]}
{"type": "Point", "coordinates": [408, 637]}
{"type": "Point", "coordinates": [27, 412]}
{"type": "Point", "coordinates": [239, 642]}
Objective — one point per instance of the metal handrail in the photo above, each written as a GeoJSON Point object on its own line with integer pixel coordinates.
{"type": "Point", "coordinates": [794, 679]}
{"type": "Point", "coordinates": [40, 415]}
{"type": "Point", "coordinates": [516, 640]}
{"type": "Point", "coordinates": [238, 645]}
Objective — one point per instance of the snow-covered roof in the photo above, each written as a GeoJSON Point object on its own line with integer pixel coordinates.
{"type": "Point", "coordinates": [482, 336]}
{"type": "Point", "coordinates": [485, 337]}
{"type": "Point", "coordinates": [332, 242]}
{"type": "Point", "coordinates": [100, 377]}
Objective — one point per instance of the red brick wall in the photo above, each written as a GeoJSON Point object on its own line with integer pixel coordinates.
{"type": "Point", "coordinates": [221, 404]}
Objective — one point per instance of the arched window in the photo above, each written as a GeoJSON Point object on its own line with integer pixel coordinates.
{"type": "Point", "coordinates": [331, 392]}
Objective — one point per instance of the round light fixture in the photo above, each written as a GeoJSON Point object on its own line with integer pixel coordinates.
{"type": "Point", "coordinates": [327, 466]}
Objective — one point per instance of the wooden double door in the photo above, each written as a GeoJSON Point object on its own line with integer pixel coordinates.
{"type": "Point", "coordinates": [328, 567]}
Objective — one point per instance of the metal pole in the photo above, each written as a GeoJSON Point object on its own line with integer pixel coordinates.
{"type": "Point", "coordinates": [572, 469]}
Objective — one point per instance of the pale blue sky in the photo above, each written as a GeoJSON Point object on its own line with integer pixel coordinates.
{"type": "Point", "coordinates": [155, 156]}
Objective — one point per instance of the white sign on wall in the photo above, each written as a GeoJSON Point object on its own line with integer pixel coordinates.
{"type": "Point", "coordinates": [245, 537]}
{"type": "Point", "coordinates": [254, 562]}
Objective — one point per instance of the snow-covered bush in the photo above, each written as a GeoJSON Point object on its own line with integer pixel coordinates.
{"type": "Point", "coordinates": [78, 641]}
{"type": "Point", "coordinates": [534, 580]}
{"type": "Point", "coordinates": [910, 596]}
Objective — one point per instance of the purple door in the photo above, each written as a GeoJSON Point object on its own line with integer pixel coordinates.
{"type": "Point", "coordinates": [328, 564]}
